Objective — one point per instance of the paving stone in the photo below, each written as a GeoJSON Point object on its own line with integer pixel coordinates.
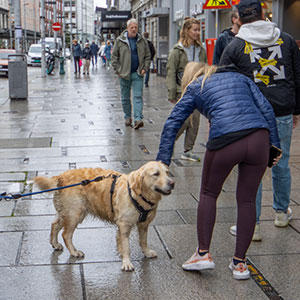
{"type": "Point", "coordinates": [25, 143]}
{"type": "Point", "coordinates": [280, 271]}
{"type": "Point", "coordinates": [146, 282]}
{"type": "Point", "coordinates": [99, 245]}
{"type": "Point", "coordinates": [34, 207]}
{"type": "Point", "coordinates": [41, 282]}
{"type": "Point", "coordinates": [9, 245]}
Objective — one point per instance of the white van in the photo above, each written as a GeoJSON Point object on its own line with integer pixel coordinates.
{"type": "Point", "coordinates": [50, 43]}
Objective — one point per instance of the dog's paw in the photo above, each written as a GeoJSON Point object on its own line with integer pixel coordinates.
{"type": "Point", "coordinates": [57, 247]}
{"type": "Point", "coordinates": [78, 254]}
{"type": "Point", "coordinates": [127, 266]}
{"type": "Point", "coordinates": [150, 253]}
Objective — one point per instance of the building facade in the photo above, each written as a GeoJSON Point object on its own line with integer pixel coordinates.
{"type": "Point", "coordinates": [4, 23]}
{"type": "Point", "coordinates": [79, 18]}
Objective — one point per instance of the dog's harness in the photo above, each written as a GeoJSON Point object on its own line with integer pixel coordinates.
{"type": "Point", "coordinates": [143, 212]}
{"type": "Point", "coordinates": [112, 189]}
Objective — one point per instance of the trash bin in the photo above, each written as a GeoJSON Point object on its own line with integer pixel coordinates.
{"type": "Point", "coordinates": [17, 76]}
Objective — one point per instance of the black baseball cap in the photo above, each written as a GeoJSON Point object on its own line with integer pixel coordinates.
{"type": "Point", "coordinates": [249, 7]}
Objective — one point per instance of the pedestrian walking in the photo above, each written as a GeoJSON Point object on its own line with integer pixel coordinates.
{"type": "Point", "coordinates": [271, 58]}
{"type": "Point", "coordinates": [86, 56]}
{"type": "Point", "coordinates": [76, 51]}
{"type": "Point", "coordinates": [242, 128]}
{"type": "Point", "coordinates": [102, 54]}
{"type": "Point", "coordinates": [152, 52]}
{"type": "Point", "coordinates": [187, 49]}
{"type": "Point", "coordinates": [131, 60]}
{"type": "Point", "coordinates": [94, 48]}
{"type": "Point", "coordinates": [226, 37]}
{"type": "Point", "coordinates": [107, 53]}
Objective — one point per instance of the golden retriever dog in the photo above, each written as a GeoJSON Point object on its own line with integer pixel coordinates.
{"type": "Point", "coordinates": [123, 199]}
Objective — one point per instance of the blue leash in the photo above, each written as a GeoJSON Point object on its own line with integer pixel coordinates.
{"type": "Point", "coordinates": [85, 182]}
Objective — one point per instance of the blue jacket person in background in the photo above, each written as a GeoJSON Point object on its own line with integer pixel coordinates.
{"type": "Point", "coordinates": [242, 129]}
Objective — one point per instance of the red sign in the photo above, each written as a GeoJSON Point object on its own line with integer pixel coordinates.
{"type": "Point", "coordinates": [214, 4]}
{"type": "Point", "coordinates": [56, 26]}
{"type": "Point", "coordinates": [235, 2]}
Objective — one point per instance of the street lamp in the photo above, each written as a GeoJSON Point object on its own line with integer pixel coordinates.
{"type": "Point", "coordinates": [25, 30]}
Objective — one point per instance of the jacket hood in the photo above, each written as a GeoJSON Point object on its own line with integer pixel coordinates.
{"type": "Point", "coordinates": [124, 36]}
{"type": "Point", "coordinates": [259, 33]}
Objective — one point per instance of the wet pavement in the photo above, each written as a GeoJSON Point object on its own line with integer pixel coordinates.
{"type": "Point", "coordinates": [71, 122]}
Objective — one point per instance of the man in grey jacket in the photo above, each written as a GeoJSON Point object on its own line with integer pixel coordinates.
{"type": "Point", "coordinates": [131, 60]}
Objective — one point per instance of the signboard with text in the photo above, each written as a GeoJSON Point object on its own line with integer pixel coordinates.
{"type": "Point", "coordinates": [216, 4]}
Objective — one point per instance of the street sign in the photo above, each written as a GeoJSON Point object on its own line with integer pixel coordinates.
{"type": "Point", "coordinates": [214, 4]}
{"type": "Point", "coordinates": [235, 2]}
{"type": "Point", "coordinates": [56, 26]}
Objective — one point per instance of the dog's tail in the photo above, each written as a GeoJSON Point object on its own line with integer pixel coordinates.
{"type": "Point", "coordinates": [45, 183]}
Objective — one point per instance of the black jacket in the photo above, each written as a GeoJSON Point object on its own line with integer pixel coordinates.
{"type": "Point", "coordinates": [275, 69]}
{"type": "Point", "coordinates": [152, 49]}
{"type": "Point", "coordinates": [223, 40]}
{"type": "Point", "coordinates": [87, 53]}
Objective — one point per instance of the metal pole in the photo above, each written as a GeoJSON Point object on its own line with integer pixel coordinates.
{"type": "Point", "coordinates": [18, 27]}
{"type": "Point", "coordinates": [217, 23]}
{"type": "Point", "coordinates": [10, 24]}
{"type": "Point", "coordinates": [77, 23]}
{"type": "Point", "coordinates": [64, 29]}
{"type": "Point", "coordinates": [55, 20]}
{"type": "Point", "coordinates": [82, 21]}
{"type": "Point", "coordinates": [71, 23]}
{"type": "Point", "coordinates": [35, 27]}
{"type": "Point", "coordinates": [42, 16]}
{"type": "Point", "coordinates": [25, 32]}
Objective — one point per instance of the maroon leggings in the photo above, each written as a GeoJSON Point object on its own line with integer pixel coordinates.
{"type": "Point", "coordinates": [251, 155]}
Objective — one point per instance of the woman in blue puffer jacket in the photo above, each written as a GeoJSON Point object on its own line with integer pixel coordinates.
{"type": "Point", "coordinates": [242, 129]}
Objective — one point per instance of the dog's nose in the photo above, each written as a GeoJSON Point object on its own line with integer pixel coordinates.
{"type": "Point", "coordinates": [171, 184]}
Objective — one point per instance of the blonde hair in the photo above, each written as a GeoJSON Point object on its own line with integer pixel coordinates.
{"type": "Point", "coordinates": [193, 70]}
{"type": "Point", "coordinates": [187, 25]}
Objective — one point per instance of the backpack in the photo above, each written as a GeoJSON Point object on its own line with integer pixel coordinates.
{"type": "Point", "coordinates": [152, 49]}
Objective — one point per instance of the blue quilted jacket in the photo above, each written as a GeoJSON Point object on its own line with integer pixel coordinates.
{"type": "Point", "coordinates": [229, 100]}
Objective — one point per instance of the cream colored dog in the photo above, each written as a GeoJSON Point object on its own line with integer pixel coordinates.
{"type": "Point", "coordinates": [124, 199]}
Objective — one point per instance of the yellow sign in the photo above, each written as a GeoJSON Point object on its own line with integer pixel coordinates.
{"type": "Point", "coordinates": [214, 4]}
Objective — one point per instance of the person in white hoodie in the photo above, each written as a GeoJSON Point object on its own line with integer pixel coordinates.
{"type": "Point", "coordinates": [271, 58]}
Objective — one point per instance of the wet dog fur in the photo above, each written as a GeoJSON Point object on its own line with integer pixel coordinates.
{"type": "Point", "coordinates": [151, 181]}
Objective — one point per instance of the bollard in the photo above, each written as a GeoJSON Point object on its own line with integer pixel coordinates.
{"type": "Point", "coordinates": [61, 65]}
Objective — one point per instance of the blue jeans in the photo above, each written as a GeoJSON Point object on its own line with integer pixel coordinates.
{"type": "Point", "coordinates": [147, 77]}
{"type": "Point", "coordinates": [136, 83]}
{"type": "Point", "coordinates": [281, 175]}
{"type": "Point", "coordinates": [94, 59]}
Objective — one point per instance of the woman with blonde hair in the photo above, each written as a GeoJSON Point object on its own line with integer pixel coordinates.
{"type": "Point", "coordinates": [242, 129]}
{"type": "Point", "coordinates": [187, 49]}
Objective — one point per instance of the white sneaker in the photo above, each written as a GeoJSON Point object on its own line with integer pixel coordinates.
{"type": "Point", "coordinates": [189, 155]}
{"type": "Point", "coordinates": [239, 271]}
{"type": "Point", "coordinates": [199, 263]}
{"type": "Point", "coordinates": [282, 219]}
{"type": "Point", "coordinates": [256, 235]}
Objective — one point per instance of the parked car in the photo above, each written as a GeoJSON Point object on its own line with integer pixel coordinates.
{"type": "Point", "coordinates": [34, 55]}
{"type": "Point", "coordinates": [4, 60]}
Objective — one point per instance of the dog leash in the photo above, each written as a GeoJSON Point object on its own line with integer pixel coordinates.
{"type": "Point", "coordinates": [85, 182]}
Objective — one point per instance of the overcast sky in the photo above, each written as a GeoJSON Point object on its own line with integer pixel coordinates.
{"type": "Point", "coordinates": [100, 3]}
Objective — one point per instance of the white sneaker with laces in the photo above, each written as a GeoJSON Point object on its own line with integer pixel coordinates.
{"type": "Point", "coordinates": [256, 235]}
{"type": "Point", "coordinates": [239, 271]}
{"type": "Point", "coordinates": [282, 219]}
{"type": "Point", "coordinates": [189, 155]}
{"type": "Point", "coordinates": [199, 263]}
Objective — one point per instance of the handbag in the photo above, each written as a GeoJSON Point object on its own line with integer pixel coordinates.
{"type": "Point", "coordinates": [80, 62]}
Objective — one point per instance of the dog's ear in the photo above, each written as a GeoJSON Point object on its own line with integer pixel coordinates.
{"type": "Point", "coordinates": [135, 181]}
